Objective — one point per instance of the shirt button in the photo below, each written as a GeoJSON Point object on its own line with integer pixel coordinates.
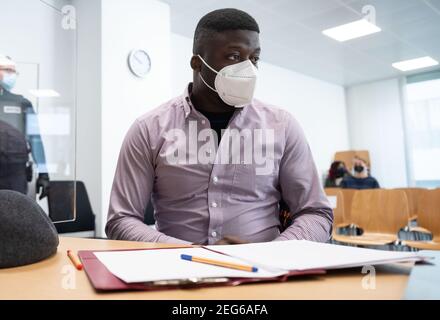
{"type": "Point", "coordinates": [214, 234]}
{"type": "Point", "coordinates": [203, 121]}
{"type": "Point", "coordinates": [215, 179]}
{"type": "Point", "coordinates": [214, 204]}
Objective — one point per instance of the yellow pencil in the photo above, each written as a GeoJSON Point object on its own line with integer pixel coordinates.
{"type": "Point", "coordinates": [219, 263]}
{"type": "Point", "coordinates": [75, 260]}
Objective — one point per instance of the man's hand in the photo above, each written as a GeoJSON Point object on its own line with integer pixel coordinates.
{"type": "Point", "coordinates": [230, 240]}
{"type": "Point", "coordinates": [43, 185]}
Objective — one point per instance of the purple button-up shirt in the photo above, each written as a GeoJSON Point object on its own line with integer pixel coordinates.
{"type": "Point", "coordinates": [202, 191]}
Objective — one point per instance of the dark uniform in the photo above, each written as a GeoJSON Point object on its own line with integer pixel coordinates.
{"type": "Point", "coordinates": [18, 112]}
{"type": "Point", "coordinates": [14, 159]}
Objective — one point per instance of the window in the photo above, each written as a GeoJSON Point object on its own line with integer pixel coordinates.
{"type": "Point", "coordinates": [423, 128]}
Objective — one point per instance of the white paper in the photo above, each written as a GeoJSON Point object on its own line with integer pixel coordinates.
{"type": "Point", "coordinates": [272, 258]}
{"type": "Point", "coordinates": [303, 255]}
{"type": "Point", "coordinates": [166, 264]}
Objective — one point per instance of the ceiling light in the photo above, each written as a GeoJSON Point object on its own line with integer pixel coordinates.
{"type": "Point", "coordinates": [351, 30]}
{"type": "Point", "coordinates": [44, 93]}
{"type": "Point", "coordinates": [413, 64]}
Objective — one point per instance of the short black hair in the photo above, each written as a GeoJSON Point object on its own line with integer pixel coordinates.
{"type": "Point", "coordinates": [222, 20]}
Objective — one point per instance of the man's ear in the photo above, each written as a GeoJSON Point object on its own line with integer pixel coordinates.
{"type": "Point", "coordinates": [196, 63]}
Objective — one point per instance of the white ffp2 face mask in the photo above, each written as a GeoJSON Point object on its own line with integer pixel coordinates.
{"type": "Point", "coordinates": [235, 84]}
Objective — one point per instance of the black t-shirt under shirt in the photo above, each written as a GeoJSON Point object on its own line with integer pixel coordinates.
{"type": "Point", "coordinates": [218, 121]}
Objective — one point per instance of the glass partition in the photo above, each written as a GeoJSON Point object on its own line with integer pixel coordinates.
{"type": "Point", "coordinates": [38, 54]}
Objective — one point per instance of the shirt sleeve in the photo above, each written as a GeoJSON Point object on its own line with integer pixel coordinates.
{"type": "Point", "coordinates": [301, 189]}
{"type": "Point", "coordinates": [131, 192]}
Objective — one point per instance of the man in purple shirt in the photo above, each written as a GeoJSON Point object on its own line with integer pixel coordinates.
{"type": "Point", "coordinates": [214, 161]}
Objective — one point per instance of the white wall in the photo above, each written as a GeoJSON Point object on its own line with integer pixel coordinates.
{"type": "Point", "coordinates": [318, 106]}
{"type": "Point", "coordinates": [127, 25]}
{"type": "Point", "coordinates": [376, 123]}
{"type": "Point", "coordinates": [89, 158]}
{"type": "Point", "coordinates": [110, 98]}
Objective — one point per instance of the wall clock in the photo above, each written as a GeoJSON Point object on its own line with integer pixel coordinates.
{"type": "Point", "coordinates": [139, 63]}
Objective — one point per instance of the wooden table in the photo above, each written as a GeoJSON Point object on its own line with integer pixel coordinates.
{"type": "Point", "coordinates": [47, 280]}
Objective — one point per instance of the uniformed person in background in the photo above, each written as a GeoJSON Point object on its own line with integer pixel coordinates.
{"type": "Point", "coordinates": [15, 167]}
{"type": "Point", "coordinates": [18, 112]}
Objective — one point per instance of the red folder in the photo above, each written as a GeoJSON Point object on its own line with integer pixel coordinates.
{"type": "Point", "coordinates": [103, 280]}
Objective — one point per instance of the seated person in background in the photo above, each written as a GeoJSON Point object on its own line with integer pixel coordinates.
{"type": "Point", "coordinates": [361, 178]}
{"type": "Point", "coordinates": [335, 175]}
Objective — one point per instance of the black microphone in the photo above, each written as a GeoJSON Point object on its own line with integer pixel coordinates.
{"type": "Point", "coordinates": [27, 235]}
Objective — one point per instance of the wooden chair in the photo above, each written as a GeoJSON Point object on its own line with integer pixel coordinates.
{"type": "Point", "coordinates": [429, 220]}
{"type": "Point", "coordinates": [380, 214]}
{"type": "Point", "coordinates": [347, 157]}
{"type": "Point", "coordinates": [348, 200]}
{"type": "Point", "coordinates": [413, 195]}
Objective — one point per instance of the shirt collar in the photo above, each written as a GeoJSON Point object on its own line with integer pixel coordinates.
{"type": "Point", "coordinates": [188, 107]}
{"type": "Point", "coordinates": [187, 104]}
